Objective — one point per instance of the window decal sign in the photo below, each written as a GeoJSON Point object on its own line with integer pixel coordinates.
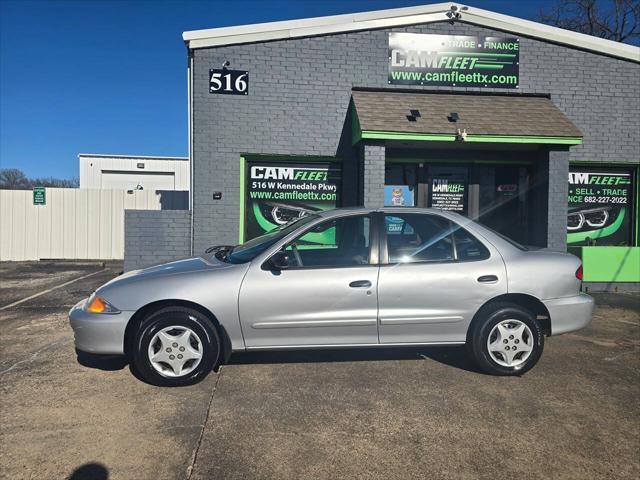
{"type": "Point", "coordinates": [277, 193]}
{"type": "Point", "coordinates": [600, 207]}
{"type": "Point", "coordinates": [453, 60]}
{"type": "Point", "coordinates": [228, 82]}
{"type": "Point", "coordinates": [447, 194]}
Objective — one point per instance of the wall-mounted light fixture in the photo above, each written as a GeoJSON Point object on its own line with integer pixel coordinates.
{"type": "Point", "coordinates": [413, 115]}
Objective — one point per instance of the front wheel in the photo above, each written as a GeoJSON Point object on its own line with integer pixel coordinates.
{"type": "Point", "coordinates": [175, 346]}
{"type": "Point", "coordinates": [506, 340]}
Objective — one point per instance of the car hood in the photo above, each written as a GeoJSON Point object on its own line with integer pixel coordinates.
{"type": "Point", "coordinates": [178, 267]}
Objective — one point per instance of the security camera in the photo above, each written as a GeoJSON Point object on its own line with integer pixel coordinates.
{"type": "Point", "coordinates": [454, 14]}
{"type": "Point", "coordinates": [226, 63]}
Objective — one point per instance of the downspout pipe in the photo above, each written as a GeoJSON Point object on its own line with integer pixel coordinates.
{"type": "Point", "coordinates": [190, 142]}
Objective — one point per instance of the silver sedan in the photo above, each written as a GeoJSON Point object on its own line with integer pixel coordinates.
{"type": "Point", "coordinates": [343, 278]}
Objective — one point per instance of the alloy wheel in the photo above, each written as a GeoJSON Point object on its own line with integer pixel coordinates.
{"type": "Point", "coordinates": [510, 343]}
{"type": "Point", "coordinates": [175, 351]}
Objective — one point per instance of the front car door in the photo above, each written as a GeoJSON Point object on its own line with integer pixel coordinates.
{"type": "Point", "coordinates": [325, 296]}
{"type": "Point", "coordinates": [434, 276]}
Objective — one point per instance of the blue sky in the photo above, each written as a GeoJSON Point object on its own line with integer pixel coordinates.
{"type": "Point", "coordinates": [110, 77]}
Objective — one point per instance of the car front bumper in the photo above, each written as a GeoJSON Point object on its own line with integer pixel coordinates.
{"type": "Point", "coordinates": [569, 313]}
{"type": "Point", "coordinates": [98, 333]}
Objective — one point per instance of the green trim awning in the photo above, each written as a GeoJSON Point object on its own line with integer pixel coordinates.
{"type": "Point", "coordinates": [387, 115]}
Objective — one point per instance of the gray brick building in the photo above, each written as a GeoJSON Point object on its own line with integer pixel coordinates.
{"type": "Point", "coordinates": [326, 94]}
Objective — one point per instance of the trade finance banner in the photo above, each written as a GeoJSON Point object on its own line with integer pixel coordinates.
{"type": "Point", "coordinates": [600, 207]}
{"type": "Point", "coordinates": [277, 193]}
{"type": "Point", "coordinates": [453, 60]}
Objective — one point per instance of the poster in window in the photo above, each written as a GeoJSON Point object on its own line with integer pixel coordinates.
{"type": "Point", "coordinates": [398, 196]}
{"type": "Point", "coordinates": [277, 193]}
{"type": "Point", "coordinates": [448, 193]}
{"type": "Point", "coordinates": [600, 207]}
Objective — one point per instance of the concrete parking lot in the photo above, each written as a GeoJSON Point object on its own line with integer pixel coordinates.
{"type": "Point", "coordinates": [374, 413]}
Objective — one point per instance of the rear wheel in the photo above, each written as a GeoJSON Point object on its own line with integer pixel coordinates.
{"type": "Point", "coordinates": [175, 346]}
{"type": "Point", "coordinates": [506, 340]}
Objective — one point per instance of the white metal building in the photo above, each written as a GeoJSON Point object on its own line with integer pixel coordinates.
{"type": "Point", "coordinates": [129, 172]}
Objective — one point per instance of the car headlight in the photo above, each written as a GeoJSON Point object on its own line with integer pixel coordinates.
{"type": "Point", "coordinates": [280, 214]}
{"type": "Point", "coordinates": [590, 218]}
{"type": "Point", "coordinates": [96, 304]}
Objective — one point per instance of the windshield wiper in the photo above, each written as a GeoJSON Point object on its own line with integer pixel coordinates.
{"type": "Point", "coordinates": [221, 252]}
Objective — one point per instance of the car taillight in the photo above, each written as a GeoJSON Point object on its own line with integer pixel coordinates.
{"type": "Point", "coordinates": [579, 273]}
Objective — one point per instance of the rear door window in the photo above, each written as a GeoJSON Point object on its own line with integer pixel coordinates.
{"type": "Point", "coordinates": [468, 247]}
{"type": "Point", "coordinates": [416, 237]}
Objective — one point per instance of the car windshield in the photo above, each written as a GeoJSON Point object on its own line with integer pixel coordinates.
{"type": "Point", "coordinates": [254, 247]}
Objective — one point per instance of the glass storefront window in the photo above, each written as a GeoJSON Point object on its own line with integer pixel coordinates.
{"type": "Point", "coordinates": [496, 195]}
{"type": "Point", "coordinates": [601, 209]}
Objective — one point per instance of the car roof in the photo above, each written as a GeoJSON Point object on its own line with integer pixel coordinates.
{"type": "Point", "coordinates": [341, 211]}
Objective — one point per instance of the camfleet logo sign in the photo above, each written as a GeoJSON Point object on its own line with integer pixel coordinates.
{"type": "Point", "coordinates": [453, 60]}
{"type": "Point", "coordinates": [588, 178]}
{"type": "Point", "coordinates": [288, 173]}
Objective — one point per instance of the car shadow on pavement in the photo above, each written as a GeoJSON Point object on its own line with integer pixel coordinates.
{"type": "Point", "coordinates": [451, 356]}
{"type": "Point", "coordinates": [455, 357]}
{"type": "Point", "coordinates": [101, 362]}
{"type": "Point", "coordinates": [90, 471]}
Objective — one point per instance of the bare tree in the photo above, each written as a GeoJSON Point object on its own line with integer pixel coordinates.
{"type": "Point", "coordinates": [617, 20]}
{"type": "Point", "coordinates": [55, 182]}
{"type": "Point", "coordinates": [14, 179]}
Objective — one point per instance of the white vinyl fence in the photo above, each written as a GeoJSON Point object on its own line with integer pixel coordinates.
{"type": "Point", "coordinates": [74, 224]}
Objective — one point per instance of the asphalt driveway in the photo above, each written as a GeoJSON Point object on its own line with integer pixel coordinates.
{"type": "Point", "coordinates": [394, 413]}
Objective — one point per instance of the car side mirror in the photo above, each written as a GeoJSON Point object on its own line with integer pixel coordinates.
{"type": "Point", "coordinates": [279, 261]}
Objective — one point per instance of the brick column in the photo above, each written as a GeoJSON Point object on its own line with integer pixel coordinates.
{"type": "Point", "coordinates": [373, 175]}
{"type": "Point", "coordinates": [557, 198]}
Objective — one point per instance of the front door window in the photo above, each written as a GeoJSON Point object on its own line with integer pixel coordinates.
{"type": "Point", "coordinates": [340, 242]}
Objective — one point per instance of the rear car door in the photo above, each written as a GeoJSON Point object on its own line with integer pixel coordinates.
{"type": "Point", "coordinates": [326, 295]}
{"type": "Point", "coordinates": [434, 276]}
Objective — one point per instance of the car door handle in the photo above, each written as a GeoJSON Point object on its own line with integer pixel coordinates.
{"type": "Point", "coordinates": [488, 279]}
{"type": "Point", "coordinates": [360, 284]}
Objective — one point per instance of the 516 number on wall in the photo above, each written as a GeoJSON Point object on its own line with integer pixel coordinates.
{"type": "Point", "coordinates": [229, 82]}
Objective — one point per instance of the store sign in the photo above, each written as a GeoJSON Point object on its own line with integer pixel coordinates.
{"type": "Point", "coordinates": [453, 60]}
{"type": "Point", "coordinates": [600, 207]}
{"type": "Point", "coordinates": [278, 193]}
{"type": "Point", "coordinates": [229, 82]}
{"type": "Point", "coordinates": [447, 194]}
{"type": "Point", "coordinates": [39, 196]}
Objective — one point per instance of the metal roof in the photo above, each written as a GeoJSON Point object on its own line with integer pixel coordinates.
{"type": "Point", "coordinates": [504, 115]}
{"type": "Point", "coordinates": [262, 32]}
{"type": "Point", "coordinates": [140, 157]}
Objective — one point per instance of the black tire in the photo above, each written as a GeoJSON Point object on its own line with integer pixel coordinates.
{"type": "Point", "coordinates": [486, 319]}
{"type": "Point", "coordinates": [182, 317]}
